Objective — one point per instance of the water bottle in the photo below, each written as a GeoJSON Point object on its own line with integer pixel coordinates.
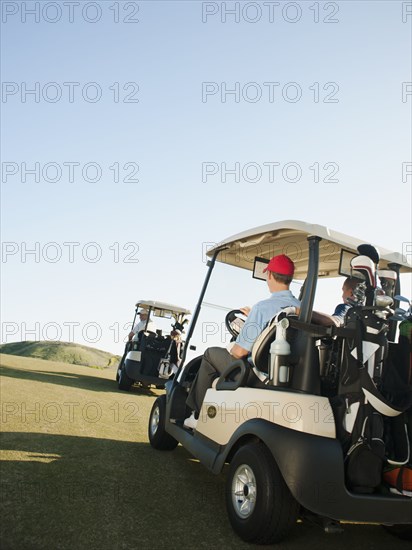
{"type": "Point", "coordinates": [279, 350]}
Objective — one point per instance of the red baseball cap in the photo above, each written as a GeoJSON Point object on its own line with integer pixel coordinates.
{"type": "Point", "coordinates": [281, 264]}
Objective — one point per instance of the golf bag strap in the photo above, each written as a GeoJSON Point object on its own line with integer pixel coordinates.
{"type": "Point", "coordinates": [353, 365]}
{"type": "Point", "coordinates": [376, 399]}
{"type": "Point", "coordinates": [359, 330]}
{"type": "Point", "coordinates": [343, 332]}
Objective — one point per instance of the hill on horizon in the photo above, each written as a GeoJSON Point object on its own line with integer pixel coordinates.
{"type": "Point", "coordinates": [65, 352]}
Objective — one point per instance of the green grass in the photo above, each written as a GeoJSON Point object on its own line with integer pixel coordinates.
{"type": "Point", "coordinates": [77, 472]}
{"type": "Point", "coordinates": [65, 352]}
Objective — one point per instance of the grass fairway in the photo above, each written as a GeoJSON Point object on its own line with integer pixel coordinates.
{"type": "Point", "coordinates": [77, 472]}
{"type": "Point", "coordinates": [65, 352]}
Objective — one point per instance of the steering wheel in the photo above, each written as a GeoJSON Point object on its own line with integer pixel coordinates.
{"type": "Point", "coordinates": [234, 322]}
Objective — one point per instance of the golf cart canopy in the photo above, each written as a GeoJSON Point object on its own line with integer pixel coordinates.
{"type": "Point", "coordinates": [160, 308]}
{"type": "Point", "coordinates": [290, 237]}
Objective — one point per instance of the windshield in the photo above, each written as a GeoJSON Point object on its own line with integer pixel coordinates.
{"type": "Point", "coordinates": [231, 288]}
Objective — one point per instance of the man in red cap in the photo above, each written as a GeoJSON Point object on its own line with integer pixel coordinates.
{"type": "Point", "coordinates": [279, 275]}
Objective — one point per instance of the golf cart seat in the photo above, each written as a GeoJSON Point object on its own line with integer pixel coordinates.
{"type": "Point", "coordinates": [253, 371]}
{"type": "Point", "coordinates": [239, 374]}
{"type": "Point", "coordinates": [139, 336]}
{"type": "Point", "coordinates": [260, 353]}
{"type": "Point", "coordinates": [300, 369]}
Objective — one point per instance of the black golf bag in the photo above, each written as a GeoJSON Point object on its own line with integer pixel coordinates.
{"type": "Point", "coordinates": [373, 405]}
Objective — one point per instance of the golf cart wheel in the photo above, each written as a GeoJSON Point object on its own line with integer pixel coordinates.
{"type": "Point", "coordinates": [125, 383]}
{"type": "Point", "coordinates": [260, 506]}
{"type": "Point", "coordinates": [158, 437]}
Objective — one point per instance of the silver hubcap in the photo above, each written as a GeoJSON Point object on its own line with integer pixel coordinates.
{"type": "Point", "coordinates": [244, 491]}
{"type": "Point", "coordinates": [154, 422]}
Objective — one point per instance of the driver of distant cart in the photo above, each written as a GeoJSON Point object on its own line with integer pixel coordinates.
{"type": "Point", "coordinates": [279, 274]}
{"type": "Point", "coordinates": [141, 325]}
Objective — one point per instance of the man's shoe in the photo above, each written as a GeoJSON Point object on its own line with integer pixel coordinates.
{"type": "Point", "coordinates": [190, 422]}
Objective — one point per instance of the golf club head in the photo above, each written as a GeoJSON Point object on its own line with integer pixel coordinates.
{"type": "Point", "coordinates": [370, 251]}
{"type": "Point", "coordinates": [397, 318]}
{"type": "Point", "coordinates": [400, 298]}
{"type": "Point", "coordinates": [366, 267]}
{"type": "Point", "coordinates": [400, 311]}
{"type": "Point", "coordinates": [387, 274]}
{"type": "Point", "coordinates": [383, 301]}
{"type": "Point", "coordinates": [388, 279]}
{"type": "Point", "coordinates": [359, 294]}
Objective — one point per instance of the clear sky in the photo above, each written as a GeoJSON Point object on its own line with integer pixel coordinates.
{"type": "Point", "coordinates": [135, 132]}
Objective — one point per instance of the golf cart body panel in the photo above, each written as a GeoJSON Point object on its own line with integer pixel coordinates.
{"type": "Point", "coordinates": [300, 423]}
{"type": "Point", "coordinates": [313, 469]}
{"type": "Point", "coordinates": [221, 413]}
{"type": "Point", "coordinates": [311, 465]}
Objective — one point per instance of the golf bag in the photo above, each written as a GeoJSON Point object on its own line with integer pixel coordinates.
{"type": "Point", "coordinates": [364, 459]}
{"type": "Point", "coordinates": [367, 405]}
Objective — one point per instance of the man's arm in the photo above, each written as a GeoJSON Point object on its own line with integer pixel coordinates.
{"type": "Point", "coordinates": [323, 319]}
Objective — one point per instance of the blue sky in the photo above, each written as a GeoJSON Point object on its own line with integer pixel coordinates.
{"type": "Point", "coordinates": [350, 114]}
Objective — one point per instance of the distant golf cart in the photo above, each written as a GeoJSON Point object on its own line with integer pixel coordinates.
{"type": "Point", "coordinates": [151, 358]}
{"type": "Point", "coordinates": [316, 420]}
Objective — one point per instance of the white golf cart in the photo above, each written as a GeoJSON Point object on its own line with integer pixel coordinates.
{"type": "Point", "coordinates": [152, 357]}
{"type": "Point", "coordinates": [309, 433]}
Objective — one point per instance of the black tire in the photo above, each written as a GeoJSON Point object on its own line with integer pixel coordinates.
{"type": "Point", "coordinates": [125, 383]}
{"type": "Point", "coordinates": [158, 437]}
{"type": "Point", "coordinates": [401, 531]}
{"type": "Point", "coordinates": [259, 504]}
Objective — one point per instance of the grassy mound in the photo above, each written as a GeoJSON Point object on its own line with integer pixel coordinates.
{"type": "Point", "coordinates": [64, 352]}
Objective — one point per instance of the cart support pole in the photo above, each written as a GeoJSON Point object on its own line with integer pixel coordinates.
{"type": "Point", "coordinates": [211, 265]}
{"type": "Point", "coordinates": [311, 280]}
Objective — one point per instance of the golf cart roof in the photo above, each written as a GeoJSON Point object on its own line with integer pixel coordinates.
{"type": "Point", "coordinates": [163, 306]}
{"type": "Point", "coordinates": [290, 237]}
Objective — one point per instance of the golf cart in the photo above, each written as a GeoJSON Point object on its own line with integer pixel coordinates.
{"type": "Point", "coordinates": [313, 419]}
{"type": "Point", "coordinates": [151, 357]}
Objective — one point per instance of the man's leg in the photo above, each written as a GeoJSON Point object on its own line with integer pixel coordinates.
{"type": "Point", "coordinates": [214, 362]}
